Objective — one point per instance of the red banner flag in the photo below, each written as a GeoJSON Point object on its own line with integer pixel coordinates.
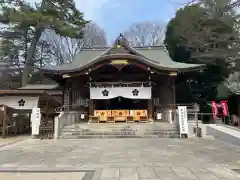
{"type": "Point", "coordinates": [224, 107]}
{"type": "Point", "coordinates": [214, 110]}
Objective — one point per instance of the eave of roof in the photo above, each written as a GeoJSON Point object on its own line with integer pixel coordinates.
{"type": "Point", "coordinates": [15, 92]}
{"type": "Point", "coordinates": [39, 87]}
{"type": "Point", "coordinates": [84, 57]}
{"type": "Point", "coordinates": [21, 91]}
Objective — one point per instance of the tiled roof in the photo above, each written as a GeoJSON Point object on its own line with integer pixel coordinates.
{"type": "Point", "coordinates": [157, 57]}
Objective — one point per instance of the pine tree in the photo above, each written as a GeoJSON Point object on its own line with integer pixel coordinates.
{"type": "Point", "coordinates": [24, 20]}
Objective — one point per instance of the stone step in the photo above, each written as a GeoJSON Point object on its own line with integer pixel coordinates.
{"type": "Point", "coordinates": [119, 133]}
{"type": "Point", "coordinates": [83, 131]}
{"type": "Point", "coordinates": [120, 126]}
{"type": "Point", "coordinates": [119, 130]}
{"type": "Point", "coordinates": [115, 131]}
{"type": "Point", "coordinates": [118, 136]}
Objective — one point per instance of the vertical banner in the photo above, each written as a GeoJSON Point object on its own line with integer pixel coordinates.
{"type": "Point", "coordinates": [183, 119]}
{"type": "Point", "coordinates": [214, 110]}
{"type": "Point", "coordinates": [224, 107]}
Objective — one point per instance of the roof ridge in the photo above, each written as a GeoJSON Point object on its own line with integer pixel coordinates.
{"type": "Point", "coordinates": [134, 47]}
{"type": "Point", "coordinates": [95, 48]}
{"type": "Point", "coordinates": [149, 47]}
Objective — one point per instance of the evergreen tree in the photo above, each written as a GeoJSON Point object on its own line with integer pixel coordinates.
{"type": "Point", "coordinates": [24, 20]}
{"type": "Point", "coordinates": [205, 32]}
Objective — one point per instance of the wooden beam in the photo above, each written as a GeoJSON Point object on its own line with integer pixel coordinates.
{"type": "Point", "coordinates": [91, 107]}
{"type": "Point", "coordinates": [117, 75]}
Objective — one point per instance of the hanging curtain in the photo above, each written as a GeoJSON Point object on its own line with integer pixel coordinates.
{"type": "Point", "coordinates": [20, 102]}
{"type": "Point", "coordinates": [126, 92]}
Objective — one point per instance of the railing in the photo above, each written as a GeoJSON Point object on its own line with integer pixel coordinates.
{"type": "Point", "coordinates": [46, 130]}
{"type": "Point", "coordinates": [67, 118]}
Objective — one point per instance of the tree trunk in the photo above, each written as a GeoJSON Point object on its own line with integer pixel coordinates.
{"type": "Point", "coordinates": [30, 56]}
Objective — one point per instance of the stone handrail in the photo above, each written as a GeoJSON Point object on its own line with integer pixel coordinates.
{"type": "Point", "coordinates": [62, 120]}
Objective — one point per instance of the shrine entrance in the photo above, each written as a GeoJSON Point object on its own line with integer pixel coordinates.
{"type": "Point", "coordinates": [114, 103]}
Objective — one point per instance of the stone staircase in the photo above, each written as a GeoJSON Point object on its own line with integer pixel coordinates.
{"type": "Point", "coordinates": [120, 130]}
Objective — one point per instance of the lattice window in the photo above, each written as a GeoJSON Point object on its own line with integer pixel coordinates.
{"type": "Point", "coordinates": [66, 99]}
{"type": "Point", "coordinates": [156, 101]}
{"type": "Point", "coordinates": [78, 101]}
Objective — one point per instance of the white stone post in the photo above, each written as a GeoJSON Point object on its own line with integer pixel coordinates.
{"type": "Point", "coordinates": [170, 116]}
{"type": "Point", "coordinates": [57, 125]}
{"type": "Point", "coordinates": [35, 121]}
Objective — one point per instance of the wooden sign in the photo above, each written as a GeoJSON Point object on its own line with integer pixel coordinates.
{"type": "Point", "coordinates": [173, 73]}
{"type": "Point", "coordinates": [66, 76]}
{"type": "Point", "coordinates": [119, 62]}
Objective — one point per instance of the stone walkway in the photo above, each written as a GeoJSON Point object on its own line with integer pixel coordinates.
{"type": "Point", "coordinates": [123, 159]}
{"type": "Point", "coordinates": [12, 140]}
{"type": "Point", "coordinates": [228, 130]}
{"type": "Point", "coordinates": [42, 176]}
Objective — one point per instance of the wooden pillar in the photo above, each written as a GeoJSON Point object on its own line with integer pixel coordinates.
{"type": "Point", "coordinates": [4, 108]}
{"type": "Point", "coordinates": [174, 98]}
{"type": "Point", "coordinates": [174, 92]}
{"type": "Point", "coordinates": [91, 107]}
{"type": "Point", "coordinates": [150, 109]}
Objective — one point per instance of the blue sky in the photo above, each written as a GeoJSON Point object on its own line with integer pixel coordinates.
{"type": "Point", "coordinates": [115, 16]}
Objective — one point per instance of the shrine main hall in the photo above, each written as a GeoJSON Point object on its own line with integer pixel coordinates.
{"type": "Point", "coordinates": [120, 83]}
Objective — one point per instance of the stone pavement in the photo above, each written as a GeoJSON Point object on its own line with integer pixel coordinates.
{"type": "Point", "coordinates": [125, 159]}
{"type": "Point", "coordinates": [231, 131]}
{"type": "Point", "coordinates": [42, 176]}
{"type": "Point", "coordinates": [12, 140]}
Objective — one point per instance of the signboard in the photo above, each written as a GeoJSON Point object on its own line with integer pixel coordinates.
{"type": "Point", "coordinates": [119, 62]}
{"type": "Point", "coordinates": [35, 120]}
{"type": "Point", "coordinates": [183, 119]}
{"type": "Point", "coordinates": [159, 116]}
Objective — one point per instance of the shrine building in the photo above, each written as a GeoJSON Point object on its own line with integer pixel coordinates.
{"type": "Point", "coordinates": [120, 83]}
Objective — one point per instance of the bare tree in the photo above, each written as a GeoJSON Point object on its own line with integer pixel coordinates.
{"type": "Point", "coordinates": [62, 50]}
{"type": "Point", "coordinates": [146, 33]}
{"type": "Point", "coordinates": [234, 3]}
{"type": "Point", "coordinates": [94, 36]}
